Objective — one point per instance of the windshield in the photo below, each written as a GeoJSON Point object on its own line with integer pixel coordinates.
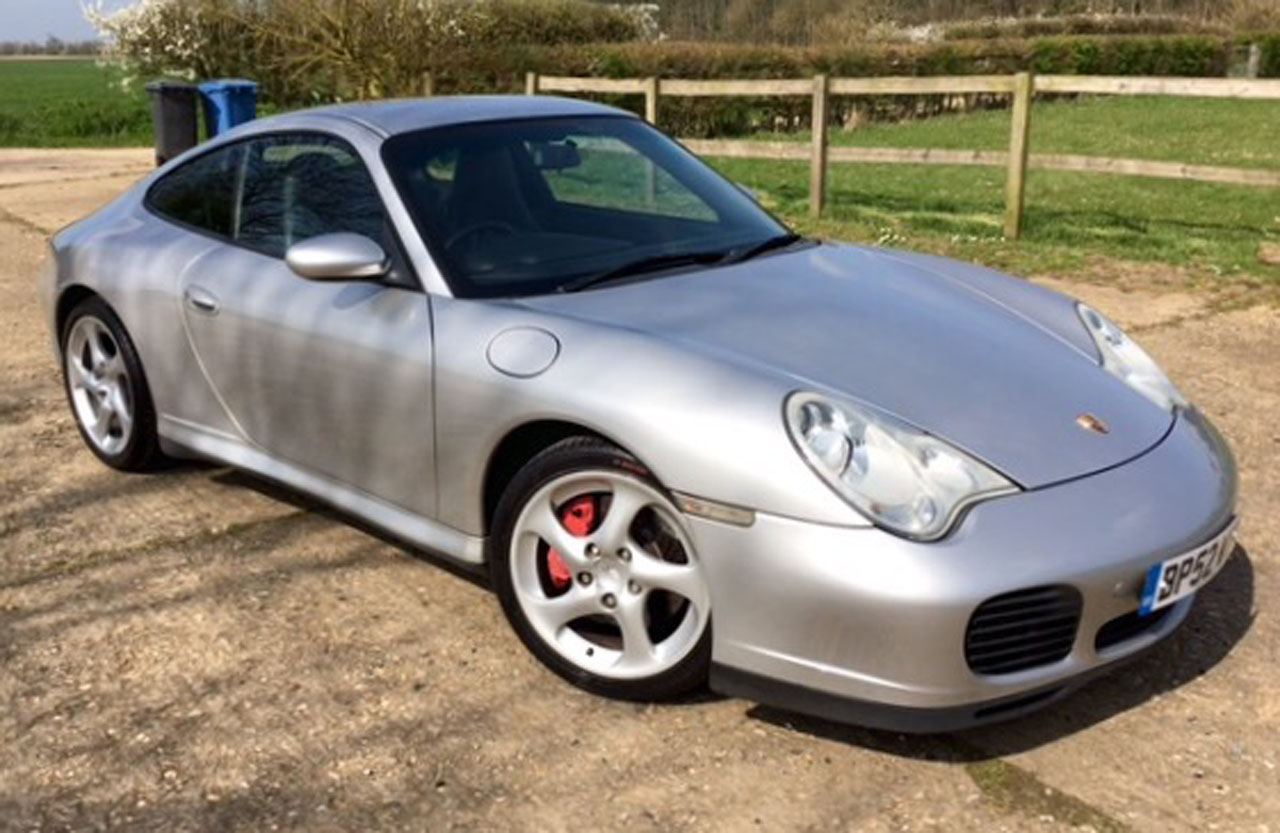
{"type": "Point", "coordinates": [543, 205]}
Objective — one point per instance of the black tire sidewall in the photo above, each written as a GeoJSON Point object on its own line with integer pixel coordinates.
{"type": "Point", "coordinates": [579, 454]}
{"type": "Point", "coordinates": [141, 451]}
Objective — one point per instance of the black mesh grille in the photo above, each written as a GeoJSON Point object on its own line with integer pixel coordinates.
{"type": "Point", "coordinates": [1126, 627]}
{"type": "Point", "coordinates": [1023, 629]}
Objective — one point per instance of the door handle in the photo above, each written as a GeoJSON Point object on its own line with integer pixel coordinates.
{"type": "Point", "coordinates": [201, 300]}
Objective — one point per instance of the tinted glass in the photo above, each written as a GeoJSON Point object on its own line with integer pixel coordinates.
{"type": "Point", "coordinates": [200, 193]}
{"type": "Point", "coordinates": [301, 186]}
{"type": "Point", "coordinates": [526, 207]}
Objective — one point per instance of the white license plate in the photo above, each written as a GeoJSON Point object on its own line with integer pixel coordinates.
{"type": "Point", "coordinates": [1178, 577]}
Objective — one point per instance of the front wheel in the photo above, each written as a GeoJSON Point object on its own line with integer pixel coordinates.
{"type": "Point", "coordinates": [598, 576]}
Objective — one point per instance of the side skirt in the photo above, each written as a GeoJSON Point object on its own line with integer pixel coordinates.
{"type": "Point", "coordinates": [409, 527]}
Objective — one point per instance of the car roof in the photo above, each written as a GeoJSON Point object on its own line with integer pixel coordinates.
{"type": "Point", "coordinates": [394, 116]}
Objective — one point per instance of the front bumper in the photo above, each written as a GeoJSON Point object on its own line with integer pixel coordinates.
{"type": "Point", "coordinates": [861, 625]}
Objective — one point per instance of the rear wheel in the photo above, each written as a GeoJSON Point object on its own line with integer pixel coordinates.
{"type": "Point", "coordinates": [598, 576]}
{"type": "Point", "coordinates": [107, 390]}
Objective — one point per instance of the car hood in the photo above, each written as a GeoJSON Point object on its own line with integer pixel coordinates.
{"type": "Point", "coordinates": [904, 336]}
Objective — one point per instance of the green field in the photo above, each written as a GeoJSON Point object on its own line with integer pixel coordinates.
{"type": "Point", "coordinates": [59, 103]}
{"type": "Point", "coordinates": [1070, 217]}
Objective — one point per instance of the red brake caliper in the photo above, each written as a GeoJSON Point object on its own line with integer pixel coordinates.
{"type": "Point", "coordinates": [578, 517]}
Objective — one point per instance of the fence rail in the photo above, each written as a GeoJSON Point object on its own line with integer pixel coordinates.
{"type": "Point", "coordinates": [1023, 88]}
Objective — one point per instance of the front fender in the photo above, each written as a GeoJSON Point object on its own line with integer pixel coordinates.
{"type": "Point", "coordinates": [703, 425]}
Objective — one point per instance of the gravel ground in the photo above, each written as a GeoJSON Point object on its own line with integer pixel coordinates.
{"type": "Point", "coordinates": [198, 650]}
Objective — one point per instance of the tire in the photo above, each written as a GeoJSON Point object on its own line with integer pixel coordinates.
{"type": "Point", "coordinates": [626, 611]}
{"type": "Point", "coordinates": [106, 388]}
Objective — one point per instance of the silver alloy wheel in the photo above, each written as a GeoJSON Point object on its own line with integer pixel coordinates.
{"type": "Point", "coordinates": [101, 392]}
{"type": "Point", "coordinates": [615, 578]}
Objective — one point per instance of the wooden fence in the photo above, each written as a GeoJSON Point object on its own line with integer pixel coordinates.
{"type": "Point", "coordinates": [1017, 159]}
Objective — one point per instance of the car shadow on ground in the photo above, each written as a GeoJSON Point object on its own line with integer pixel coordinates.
{"type": "Point", "coordinates": [283, 494]}
{"type": "Point", "coordinates": [477, 576]}
{"type": "Point", "coordinates": [1222, 615]}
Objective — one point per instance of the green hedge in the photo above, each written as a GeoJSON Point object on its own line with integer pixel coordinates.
{"type": "Point", "coordinates": [1190, 55]}
{"type": "Point", "coordinates": [1270, 66]}
{"type": "Point", "coordinates": [499, 70]}
{"type": "Point", "coordinates": [1079, 24]}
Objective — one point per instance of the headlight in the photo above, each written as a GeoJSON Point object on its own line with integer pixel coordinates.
{"type": "Point", "coordinates": [898, 476]}
{"type": "Point", "coordinates": [1124, 359]}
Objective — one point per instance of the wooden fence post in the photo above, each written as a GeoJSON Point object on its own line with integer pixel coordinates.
{"type": "Point", "coordinates": [1254, 67]}
{"type": "Point", "coordinates": [531, 83]}
{"type": "Point", "coordinates": [652, 88]}
{"type": "Point", "coordinates": [428, 85]}
{"type": "Point", "coordinates": [818, 159]}
{"type": "Point", "coordinates": [335, 85]}
{"type": "Point", "coordinates": [1015, 183]}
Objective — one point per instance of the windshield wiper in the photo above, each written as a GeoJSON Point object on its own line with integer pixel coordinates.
{"type": "Point", "coordinates": [652, 263]}
{"type": "Point", "coordinates": [779, 241]}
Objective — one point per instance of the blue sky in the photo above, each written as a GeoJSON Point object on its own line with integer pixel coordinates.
{"type": "Point", "coordinates": [27, 20]}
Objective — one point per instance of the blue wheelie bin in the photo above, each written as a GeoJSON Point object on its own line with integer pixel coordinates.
{"type": "Point", "coordinates": [227, 103]}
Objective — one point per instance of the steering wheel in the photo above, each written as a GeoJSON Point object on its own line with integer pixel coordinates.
{"type": "Point", "coordinates": [476, 228]}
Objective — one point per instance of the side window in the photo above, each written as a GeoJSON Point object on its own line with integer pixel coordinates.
{"type": "Point", "coordinates": [201, 193]}
{"type": "Point", "coordinates": [302, 185]}
{"type": "Point", "coordinates": [605, 172]}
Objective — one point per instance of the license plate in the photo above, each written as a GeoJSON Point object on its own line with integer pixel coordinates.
{"type": "Point", "coordinates": [1178, 577]}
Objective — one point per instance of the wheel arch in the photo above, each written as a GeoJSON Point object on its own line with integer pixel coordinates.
{"type": "Point", "coordinates": [68, 298]}
{"type": "Point", "coordinates": [520, 445]}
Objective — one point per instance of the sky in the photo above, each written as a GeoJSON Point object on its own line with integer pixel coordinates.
{"type": "Point", "coordinates": [35, 20]}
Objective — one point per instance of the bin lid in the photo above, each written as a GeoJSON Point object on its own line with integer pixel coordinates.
{"type": "Point", "coordinates": [218, 85]}
{"type": "Point", "coordinates": [156, 86]}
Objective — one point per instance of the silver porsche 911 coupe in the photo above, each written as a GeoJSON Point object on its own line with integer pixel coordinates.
{"type": "Point", "coordinates": [537, 335]}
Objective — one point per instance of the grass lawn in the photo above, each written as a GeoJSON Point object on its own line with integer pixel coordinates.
{"type": "Point", "coordinates": [72, 102]}
{"type": "Point", "coordinates": [1069, 216]}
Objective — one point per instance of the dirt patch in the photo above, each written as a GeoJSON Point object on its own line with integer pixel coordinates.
{"type": "Point", "coordinates": [1144, 295]}
{"type": "Point", "coordinates": [1015, 788]}
{"type": "Point", "coordinates": [1136, 310]}
{"type": "Point", "coordinates": [43, 206]}
{"type": "Point", "coordinates": [26, 165]}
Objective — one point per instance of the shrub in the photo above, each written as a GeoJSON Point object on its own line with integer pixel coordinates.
{"type": "Point", "coordinates": [1270, 64]}
{"type": "Point", "coordinates": [1253, 15]}
{"type": "Point", "coordinates": [176, 38]}
{"type": "Point", "coordinates": [1078, 24]}
{"type": "Point", "coordinates": [1193, 55]}
{"type": "Point", "coordinates": [305, 50]}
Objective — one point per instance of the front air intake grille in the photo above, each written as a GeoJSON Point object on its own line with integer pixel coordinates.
{"type": "Point", "coordinates": [1126, 627]}
{"type": "Point", "coordinates": [1023, 629]}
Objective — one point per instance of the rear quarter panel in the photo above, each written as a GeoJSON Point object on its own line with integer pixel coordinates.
{"type": "Point", "coordinates": [133, 260]}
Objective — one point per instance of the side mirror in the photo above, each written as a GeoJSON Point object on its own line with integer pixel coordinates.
{"type": "Point", "coordinates": [341, 256]}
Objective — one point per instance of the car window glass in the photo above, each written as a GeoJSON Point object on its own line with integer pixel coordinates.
{"type": "Point", "coordinates": [527, 206]}
{"type": "Point", "coordinates": [300, 186]}
{"type": "Point", "coordinates": [606, 172]}
{"type": "Point", "coordinates": [200, 193]}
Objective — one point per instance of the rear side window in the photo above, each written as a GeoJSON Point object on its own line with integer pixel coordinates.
{"type": "Point", "coordinates": [201, 193]}
{"type": "Point", "coordinates": [302, 185]}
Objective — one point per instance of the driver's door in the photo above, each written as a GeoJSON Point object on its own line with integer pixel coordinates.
{"type": "Point", "coordinates": [333, 377]}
